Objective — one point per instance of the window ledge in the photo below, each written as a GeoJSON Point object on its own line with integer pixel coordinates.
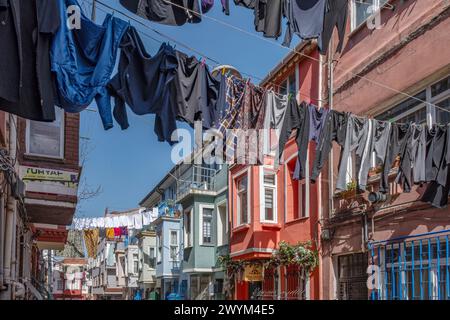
{"type": "Point", "coordinates": [296, 220]}
{"type": "Point", "coordinates": [34, 157]}
{"type": "Point", "coordinates": [241, 228]}
{"type": "Point", "coordinates": [270, 225]}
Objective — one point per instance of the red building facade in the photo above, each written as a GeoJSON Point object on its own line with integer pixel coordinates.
{"type": "Point", "coordinates": [268, 206]}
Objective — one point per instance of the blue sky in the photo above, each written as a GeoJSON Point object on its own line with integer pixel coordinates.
{"type": "Point", "coordinates": [127, 164]}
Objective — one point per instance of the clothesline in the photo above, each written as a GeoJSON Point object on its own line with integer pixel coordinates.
{"type": "Point", "coordinates": [217, 63]}
{"type": "Point", "coordinates": [305, 55]}
{"type": "Point", "coordinates": [211, 59]}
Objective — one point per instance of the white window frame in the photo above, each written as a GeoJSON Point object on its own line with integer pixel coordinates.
{"type": "Point", "coordinates": [304, 183]}
{"type": "Point", "coordinates": [200, 237]}
{"type": "Point", "coordinates": [262, 195]}
{"type": "Point", "coordinates": [377, 8]}
{"type": "Point", "coordinates": [431, 115]}
{"type": "Point", "coordinates": [222, 230]}
{"type": "Point", "coordinates": [61, 137]}
{"type": "Point", "coordinates": [189, 243]}
{"type": "Point", "coordinates": [159, 251]}
{"type": "Point", "coordinates": [236, 178]}
{"type": "Point", "coordinates": [177, 246]}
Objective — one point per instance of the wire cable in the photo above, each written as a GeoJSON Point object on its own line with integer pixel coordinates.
{"type": "Point", "coordinates": [305, 55]}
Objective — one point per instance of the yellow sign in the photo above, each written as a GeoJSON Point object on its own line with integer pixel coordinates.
{"type": "Point", "coordinates": [39, 174]}
{"type": "Point", "coordinates": [253, 273]}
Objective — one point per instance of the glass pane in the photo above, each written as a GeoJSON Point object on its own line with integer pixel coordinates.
{"type": "Point", "coordinates": [440, 87]}
{"type": "Point", "coordinates": [268, 196]}
{"type": "Point", "coordinates": [292, 84]}
{"type": "Point", "coordinates": [419, 117]}
{"type": "Point", "coordinates": [283, 88]}
{"type": "Point", "coordinates": [362, 10]}
{"type": "Point", "coordinates": [443, 117]}
{"type": "Point", "coordinates": [242, 184]}
{"type": "Point", "coordinates": [243, 207]}
{"type": "Point", "coordinates": [45, 137]}
{"type": "Point", "coordinates": [173, 238]}
{"type": "Point", "coordinates": [401, 108]}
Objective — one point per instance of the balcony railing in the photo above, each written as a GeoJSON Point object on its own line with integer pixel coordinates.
{"type": "Point", "coordinates": [196, 179]}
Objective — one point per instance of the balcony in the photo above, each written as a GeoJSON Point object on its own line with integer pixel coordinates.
{"type": "Point", "coordinates": [169, 209]}
{"type": "Point", "coordinates": [197, 180]}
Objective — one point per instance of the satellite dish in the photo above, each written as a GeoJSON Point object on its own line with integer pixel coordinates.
{"type": "Point", "coordinates": [232, 70]}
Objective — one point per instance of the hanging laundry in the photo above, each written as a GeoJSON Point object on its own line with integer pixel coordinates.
{"type": "Point", "coordinates": [398, 140]}
{"type": "Point", "coordinates": [297, 118]}
{"type": "Point", "coordinates": [249, 4]}
{"type": "Point", "coordinates": [27, 28]}
{"type": "Point", "coordinates": [226, 6]}
{"type": "Point", "coordinates": [117, 232]}
{"type": "Point", "coordinates": [123, 231]}
{"type": "Point", "coordinates": [146, 218]}
{"type": "Point", "coordinates": [304, 18]}
{"type": "Point", "coordinates": [116, 221]}
{"type": "Point", "coordinates": [221, 107]}
{"type": "Point", "coordinates": [317, 118]}
{"type": "Point", "coordinates": [195, 92]}
{"type": "Point", "coordinates": [138, 221]}
{"type": "Point", "coordinates": [130, 224]}
{"type": "Point", "coordinates": [418, 145]}
{"type": "Point", "coordinates": [250, 146]}
{"type": "Point", "coordinates": [377, 143]}
{"type": "Point", "coordinates": [123, 221]}
{"type": "Point", "coordinates": [83, 60]}
{"type": "Point", "coordinates": [173, 13]}
{"type": "Point", "coordinates": [355, 143]}
{"type": "Point", "coordinates": [276, 106]}
{"type": "Point", "coordinates": [232, 120]}
{"type": "Point", "coordinates": [91, 238]}
{"type": "Point", "coordinates": [110, 233]}
{"type": "Point", "coordinates": [438, 190]}
{"type": "Point", "coordinates": [335, 129]}
{"type": "Point", "coordinates": [268, 16]}
{"type": "Point", "coordinates": [207, 5]}
{"type": "Point", "coordinates": [144, 84]}
{"type": "Point", "coordinates": [335, 16]}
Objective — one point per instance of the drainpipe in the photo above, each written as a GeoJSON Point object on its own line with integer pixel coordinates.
{"type": "Point", "coordinates": [11, 212]}
{"type": "Point", "coordinates": [2, 237]}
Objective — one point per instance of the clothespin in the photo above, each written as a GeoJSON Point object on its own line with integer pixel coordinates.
{"type": "Point", "coordinates": [223, 71]}
{"type": "Point", "coordinates": [203, 62]}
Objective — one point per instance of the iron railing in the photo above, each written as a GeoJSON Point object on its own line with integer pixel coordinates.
{"type": "Point", "coordinates": [413, 268]}
{"type": "Point", "coordinates": [197, 178]}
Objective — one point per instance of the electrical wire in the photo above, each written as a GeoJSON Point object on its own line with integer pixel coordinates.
{"type": "Point", "coordinates": [305, 55]}
{"type": "Point", "coordinates": [215, 61]}
{"type": "Point", "coordinates": [253, 35]}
